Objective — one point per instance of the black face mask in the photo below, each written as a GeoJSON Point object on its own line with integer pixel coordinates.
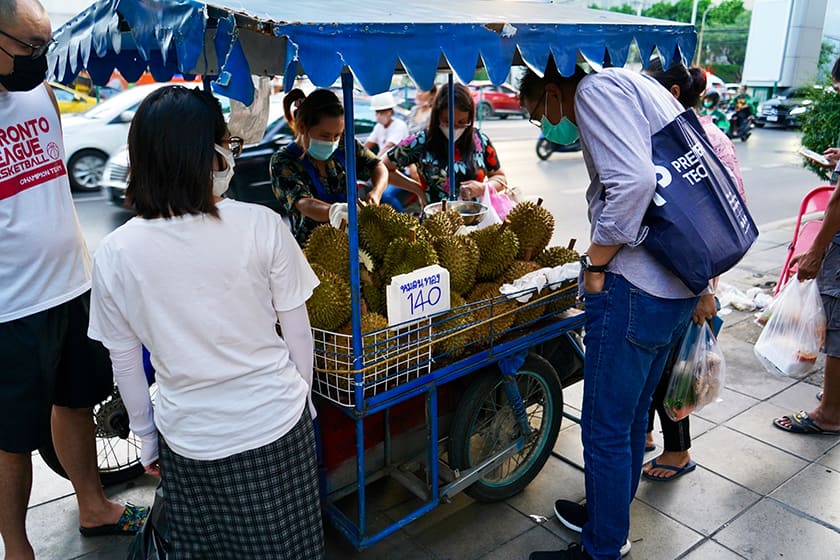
{"type": "Point", "coordinates": [27, 73]}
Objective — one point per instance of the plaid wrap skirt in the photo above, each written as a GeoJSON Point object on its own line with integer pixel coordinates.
{"type": "Point", "coordinates": [261, 504]}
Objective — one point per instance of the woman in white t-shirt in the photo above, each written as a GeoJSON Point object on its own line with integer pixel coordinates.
{"type": "Point", "coordinates": [201, 281]}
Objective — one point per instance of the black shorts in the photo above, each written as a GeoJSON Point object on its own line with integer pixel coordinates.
{"type": "Point", "coordinates": [46, 359]}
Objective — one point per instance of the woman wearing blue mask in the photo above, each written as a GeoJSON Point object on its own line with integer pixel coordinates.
{"type": "Point", "coordinates": [308, 175]}
{"type": "Point", "coordinates": [476, 162]}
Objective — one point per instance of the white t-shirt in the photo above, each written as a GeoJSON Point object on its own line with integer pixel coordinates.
{"type": "Point", "coordinates": [43, 258]}
{"type": "Point", "coordinates": [201, 294]}
{"type": "Point", "coordinates": [382, 136]}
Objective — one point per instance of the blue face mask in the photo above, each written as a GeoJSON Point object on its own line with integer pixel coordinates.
{"type": "Point", "coordinates": [320, 149]}
{"type": "Point", "coordinates": [564, 132]}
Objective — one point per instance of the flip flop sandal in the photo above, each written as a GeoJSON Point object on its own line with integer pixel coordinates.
{"type": "Point", "coordinates": [801, 423]}
{"type": "Point", "coordinates": [130, 522]}
{"type": "Point", "coordinates": [819, 396]}
{"type": "Point", "coordinates": [678, 471]}
{"type": "Point", "coordinates": [649, 448]}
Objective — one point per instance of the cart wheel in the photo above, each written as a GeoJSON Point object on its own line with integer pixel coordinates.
{"type": "Point", "coordinates": [117, 448]}
{"type": "Point", "coordinates": [484, 423]}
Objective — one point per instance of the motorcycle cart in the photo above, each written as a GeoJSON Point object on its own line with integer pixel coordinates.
{"type": "Point", "coordinates": [464, 400]}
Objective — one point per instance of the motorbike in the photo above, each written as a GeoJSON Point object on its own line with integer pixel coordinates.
{"type": "Point", "coordinates": [741, 124]}
{"type": "Point", "coordinates": [546, 147]}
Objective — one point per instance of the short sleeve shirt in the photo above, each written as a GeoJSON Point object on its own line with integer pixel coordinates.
{"type": "Point", "coordinates": [291, 182]}
{"type": "Point", "coordinates": [434, 172]}
{"type": "Point", "coordinates": [393, 134]}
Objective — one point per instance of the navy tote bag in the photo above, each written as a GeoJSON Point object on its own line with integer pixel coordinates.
{"type": "Point", "coordinates": [697, 224]}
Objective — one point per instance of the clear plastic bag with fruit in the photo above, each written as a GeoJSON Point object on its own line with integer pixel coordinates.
{"type": "Point", "coordinates": [795, 332]}
{"type": "Point", "coordinates": [698, 373]}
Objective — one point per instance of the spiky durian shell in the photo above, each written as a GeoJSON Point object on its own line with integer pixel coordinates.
{"type": "Point", "coordinates": [557, 256]}
{"type": "Point", "coordinates": [533, 226]}
{"type": "Point", "coordinates": [498, 309]}
{"type": "Point", "coordinates": [404, 255]}
{"type": "Point", "coordinates": [329, 306]}
{"type": "Point", "coordinates": [330, 248]}
{"type": "Point", "coordinates": [459, 255]}
{"type": "Point", "coordinates": [518, 269]}
{"type": "Point", "coordinates": [441, 225]}
{"type": "Point", "coordinates": [451, 325]}
{"type": "Point", "coordinates": [498, 247]}
{"type": "Point", "coordinates": [380, 225]}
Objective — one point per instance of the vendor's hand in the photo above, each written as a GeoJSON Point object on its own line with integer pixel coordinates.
{"type": "Point", "coordinates": [337, 214]}
{"type": "Point", "coordinates": [593, 282]}
{"type": "Point", "coordinates": [832, 155]}
{"type": "Point", "coordinates": [808, 264]}
{"type": "Point", "coordinates": [373, 197]}
{"type": "Point", "coordinates": [705, 309]}
{"type": "Point", "coordinates": [471, 189]}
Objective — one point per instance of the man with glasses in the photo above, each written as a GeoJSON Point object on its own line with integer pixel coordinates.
{"type": "Point", "coordinates": [51, 373]}
{"type": "Point", "coordinates": [635, 308]}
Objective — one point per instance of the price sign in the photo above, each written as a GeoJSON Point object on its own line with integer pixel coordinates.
{"type": "Point", "coordinates": [418, 294]}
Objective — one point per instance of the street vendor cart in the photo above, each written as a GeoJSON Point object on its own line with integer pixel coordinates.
{"type": "Point", "coordinates": [465, 399]}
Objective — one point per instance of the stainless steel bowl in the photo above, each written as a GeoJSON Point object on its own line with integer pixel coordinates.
{"type": "Point", "coordinates": [471, 212]}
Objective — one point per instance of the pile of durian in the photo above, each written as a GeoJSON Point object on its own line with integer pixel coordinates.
{"type": "Point", "coordinates": [479, 262]}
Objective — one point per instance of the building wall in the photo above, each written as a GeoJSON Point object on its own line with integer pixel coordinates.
{"type": "Point", "coordinates": [62, 10]}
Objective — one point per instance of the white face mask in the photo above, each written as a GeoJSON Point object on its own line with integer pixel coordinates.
{"type": "Point", "coordinates": [221, 179]}
{"type": "Point", "coordinates": [458, 132]}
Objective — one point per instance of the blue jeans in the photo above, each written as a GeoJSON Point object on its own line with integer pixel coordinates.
{"type": "Point", "coordinates": [629, 334]}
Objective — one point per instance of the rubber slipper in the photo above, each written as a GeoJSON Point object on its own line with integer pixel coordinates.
{"type": "Point", "coordinates": [649, 448]}
{"type": "Point", "coordinates": [819, 396]}
{"type": "Point", "coordinates": [130, 522]}
{"type": "Point", "coordinates": [801, 423]}
{"type": "Point", "coordinates": [678, 471]}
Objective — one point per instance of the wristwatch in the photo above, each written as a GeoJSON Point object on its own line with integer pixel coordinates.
{"type": "Point", "coordinates": [587, 266]}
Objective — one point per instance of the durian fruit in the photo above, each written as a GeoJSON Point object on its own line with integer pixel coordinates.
{"type": "Point", "coordinates": [451, 325]}
{"type": "Point", "coordinates": [518, 269]}
{"type": "Point", "coordinates": [330, 248]}
{"type": "Point", "coordinates": [340, 348]}
{"type": "Point", "coordinates": [459, 255]}
{"type": "Point", "coordinates": [528, 311]}
{"type": "Point", "coordinates": [406, 255]}
{"type": "Point", "coordinates": [557, 256]}
{"type": "Point", "coordinates": [498, 247]}
{"type": "Point", "coordinates": [329, 306]}
{"type": "Point", "coordinates": [373, 292]}
{"type": "Point", "coordinates": [380, 225]}
{"type": "Point", "coordinates": [443, 224]}
{"type": "Point", "coordinates": [499, 309]}
{"type": "Point", "coordinates": [533, 226]}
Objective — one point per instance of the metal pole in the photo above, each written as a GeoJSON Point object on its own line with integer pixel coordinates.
{"type": "Point", "coordinates": [694, 12]}
{"type": "Point", "coordinates": [453, 188]}
{"type": "Point", "coordinates": [700, 40]}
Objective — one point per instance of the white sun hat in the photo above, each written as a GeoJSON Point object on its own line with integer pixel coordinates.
{"type": "Point", "coordinates": [382, 101]}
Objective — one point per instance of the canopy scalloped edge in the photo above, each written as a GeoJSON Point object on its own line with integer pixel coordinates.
{"type": "Point", "coordinates": [171, 36]}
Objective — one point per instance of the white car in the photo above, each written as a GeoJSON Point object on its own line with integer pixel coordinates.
{"type": "Point", "coordinates": [90, 138]}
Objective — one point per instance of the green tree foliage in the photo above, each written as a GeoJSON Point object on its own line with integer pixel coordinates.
{"type": "Point", "coordinates": [828, 54]}
{"type": "Point", "coordinates": [676, 11]}
{"type": "Point", "coordinates": [820, 126]}
{"type": "Point", "coordinates": [623, 9]}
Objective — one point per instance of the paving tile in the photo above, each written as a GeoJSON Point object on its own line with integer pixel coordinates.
{"type": "Point", "coordinates": [797, 537]}
{"type": "Point", "coordinates": [744, 460]}
{"type": "Point", "coordinates": [731, 404]}
{"type": "Point", "coordinates": [801, 396]}
{"type": "Point", "coordinates": [337, 548]}
{"type": "Point", "coordinates": [758, 423]}
{"type": "Point", "coordinates": [456, 536]}
{"type": "Point", "coordinates": [573, 395]}
{"type": "Point", "coordinates": [697, 427]}
{"type": "Point", "coordinates": [537, 538]}
{"type": "Point", "coordinates": [745, 374]}
{"type": "Point", "coordinates": [701, 500]}
{"type": "Point", "coordinates": [710, 550]}
{"type": "Point", "coordinates": [655, 535]}
{"type": "Point", "coordinates": [814, 491]}
{"type": "Point", "coordinates": [557, 479]}
{"type": "Point", "coordinates": [569, 446]}
{"type": "Point", "coordinates": [46, 485]}
{"type": "Point", "coordinates": [832, 458]}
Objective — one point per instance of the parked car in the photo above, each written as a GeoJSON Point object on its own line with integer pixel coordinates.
{"type": "Point", "coordinates": [496, 101]}
{"type": "Point", "coordinates": [785, 109]}
{"type": "Point", "coordinates": [70, 100]}
{"type": "Point", "coordinates": [251, 179]}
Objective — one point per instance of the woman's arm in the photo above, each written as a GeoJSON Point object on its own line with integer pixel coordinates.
{"type": "Point", "coordinates": [313, 208]}
{"type": "Point", "coordinates": [297, 334]}
{"type": "Point", "coordinates": [399, 179]}
{"type": "Point", "coordinates": [379, 182]}
{"type": "Point", "coordinates": [134, 390]}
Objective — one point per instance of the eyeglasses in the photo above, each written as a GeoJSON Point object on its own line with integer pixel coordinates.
{"type": "Point", "coordinates": [531, 119]}
{"type": "Point", "coordinates": [235, 143]}
{"type": "Point", "coordinates": [37, 50]}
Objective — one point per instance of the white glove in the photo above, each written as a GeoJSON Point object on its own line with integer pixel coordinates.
{"type": "Point", "coordinates": [149, 448]}
{"type": "Point", "coordinates": [338, 212]}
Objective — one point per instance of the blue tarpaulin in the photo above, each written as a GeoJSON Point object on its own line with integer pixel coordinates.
{"type": "Point", "coordinates": [237, 39]}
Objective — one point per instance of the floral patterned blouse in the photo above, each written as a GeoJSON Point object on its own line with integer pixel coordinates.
{"type": "Point", "coordinates": [433, 172]}
{"type": "Point", "coordinates": [292, 180]}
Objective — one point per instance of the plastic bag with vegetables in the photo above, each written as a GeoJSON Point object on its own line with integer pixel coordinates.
{"type": "Point", "coordinates": [698, 373]}
{"type": "Point", "coordinates": [795, 331]}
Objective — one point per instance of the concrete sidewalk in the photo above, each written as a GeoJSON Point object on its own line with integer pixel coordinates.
{"type": "Point", "coordinates": [758, 493]}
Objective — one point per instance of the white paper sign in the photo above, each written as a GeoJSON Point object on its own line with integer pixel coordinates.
{"type": "Point", "coordinates": [418, 294]}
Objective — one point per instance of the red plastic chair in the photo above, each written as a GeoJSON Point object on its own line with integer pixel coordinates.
{"type": "Point", "coordinates": [804, 234]}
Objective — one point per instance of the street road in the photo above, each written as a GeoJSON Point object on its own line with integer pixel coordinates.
{"type": "Point", "coordinates": [774, 179]}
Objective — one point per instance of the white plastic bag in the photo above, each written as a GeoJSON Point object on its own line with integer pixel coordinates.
{"type": "Point", "coordinates": [698, 374]}
{"type": "Point", "coordinates": [491, 216]}
{"type": "Point", "coordinates": [795, 331]}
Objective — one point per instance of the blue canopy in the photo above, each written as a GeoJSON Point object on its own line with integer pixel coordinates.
{"type": "Point", "coordinates": [234, 39]}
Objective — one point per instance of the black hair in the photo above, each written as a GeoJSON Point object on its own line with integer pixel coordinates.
{"type": "Point", "coordinates": [712, 96]}
{"type": "Point", "coordinates": [677, 75]}
{"type": "Point", "coordinates": [532, 86]}
{"type": "Point", "coordinates": [8, 10]}
{"type": "Point", "coordinates": [835, 71]}
{"type": "Point", "coordinates": [172, 164]}
{"type": "Point", "coordinates": [436, 141]}
{"type": "Point", "coordinates": [288, 102]}
{"type": "Point", "coordinates": [315, 106]}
